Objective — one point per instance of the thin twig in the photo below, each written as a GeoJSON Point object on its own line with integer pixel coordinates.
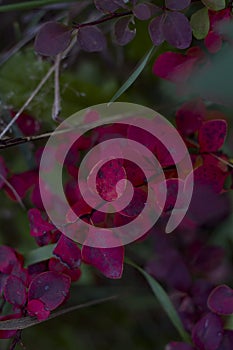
{"type": "Point", "coordinates": [31, 97]}
{"type": "Point", "coordinates": [13, 190]}
{"type": "Point", "coordinates": [57, 98]}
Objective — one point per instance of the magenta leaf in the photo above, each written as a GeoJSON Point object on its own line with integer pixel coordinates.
{"type": "Point", "coordinates": [177, 30]}
{"type": "Point", "coordinates": [220, 300]}
{"type": "Point", "coordinates": [178, 346]}
{"type": "Point", "coordinates": [58, 266]}
{"type": "Point", "coordinates": [207, 334]}
{"type": "Point", "coordinates": [51, 288]}
{"type": "Point", "coordinates": [15, 291]}
{"type": "Point", "coordinates": [68, 252]}
{"type": "Point", "coordinates": [177, 5]}
{"type": "Point", "coordinates": [109, 261]}
{"type": "Point", "coordinates": [52, 39]}
{"type": "Point", "coordinates": [212, 135]}
{"type": "Point", "coordinates": [91, 39]}
{"type": "Point", "coordinates": [37, 308]}
{"type": "Point", "coordinates": [137, 203]}
{"type": "Point", "coordinates": [213, 42]}
{"type": "Point", "coordinates": [156, 30]}
{"type": "Point", "coordinates": [7, 259]}
{"type": "Point", "coordinates": [190, 116]}
{"type": "Point", "coordinates": [173, 66]}
{"type": "Point", "coordinates": [123, 34]}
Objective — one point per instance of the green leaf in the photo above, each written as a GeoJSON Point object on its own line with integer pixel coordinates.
{"type": "Point", "coordinates": [200, 23]}
{"type": "Point", "coordinates": [27, 321]}
{"type": "Point", "coordinates": [164, 300]}
{"type": "Point", "coordinates": [134, 75]}
{"type": "Point", "coordinates": [214, 5]}
{"type": "Point", "coordinates": [39, 254]}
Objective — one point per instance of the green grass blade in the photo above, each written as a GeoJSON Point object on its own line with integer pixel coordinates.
{"type": "Point", "coordinates": [164, 300]}
{"type": "Point", "coordinates": [28, 5]}
{"type": "Point", "coordinates": [39, 254]}
{"type": "Point", "coordinates": [134, 75]}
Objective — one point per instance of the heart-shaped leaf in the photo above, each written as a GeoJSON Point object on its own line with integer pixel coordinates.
{"type": "Point", "coordinates": [177, 30]}
{"type": "Point", "coordinates": [91, 39]}
{"type": "Point", "coordinates": [177, 5]}
{"type": "Point", "coordinates": [122, 32]}
{"type": "Point", "coordinates": [200, 23]}
{"type": "Point", "coordinates": [214, 5]}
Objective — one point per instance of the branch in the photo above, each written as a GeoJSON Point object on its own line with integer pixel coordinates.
{"type": "Point", "coordinates": [103, 19]}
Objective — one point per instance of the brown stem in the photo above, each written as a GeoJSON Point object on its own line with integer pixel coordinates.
{"type": "Point", "coordinates": [102, 19]}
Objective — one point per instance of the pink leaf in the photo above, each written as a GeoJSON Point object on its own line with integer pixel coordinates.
{"type": "Point", "coordinates": [37, 308]}
{"type": "Point", "coordinates": [109, 261]}
{"type": "Point", "coordinates": [212, 135]}
{"type": "Point", "coordinates": [220, 300]}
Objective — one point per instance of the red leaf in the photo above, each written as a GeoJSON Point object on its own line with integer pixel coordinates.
{"type": "Point", "coordinates": [52, 39]}
{"type": "Point", "coordinates": [49, 287]}
{"type": "Point", "coordinates": [68, 252]}
{"type": "Point", "coordinates": [208, 332]}
{"type": "Point", "coordinates": [212, 135]}
{"type": "Point", "coordinates": [136, 205]}
{"type": "Point", "coordinates": [58, 266]}
{"type": "Point", "coordinates": [109, 261]}
{"type": "Point", "coordinates": [220, 300]}
{"type": "Point", "coordinates": [91, 39]}
{"type": "Point", "coordinates": [38, 226]}
{"type": "Point", "coordinates": [15, 291]}
{"type": "Point", "coordinates": [7, 259]}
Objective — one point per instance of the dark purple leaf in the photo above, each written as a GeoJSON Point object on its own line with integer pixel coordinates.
{"type": "Point", "coordinates": [177, 30]}
{"type": "Point", "coordinates": [220, 300]}
{"type": "Point", "coordinates": [106, 5]}
{"type": "Point", "coordinates": [68, 252]}
{"type": "Point", "coordinates": [177, 5]}
{"type": "Point", "coordinates": [227, 342]}
{"type": "Point", "coordinates": [52, 39]}
{"type": "Point", "coordinates": [123, 34]}
{"type": "Point", "coordinates": [142, 11]}
{"type": "Point", "coordinates": [3, 172]}
{"type": "Point", "coordinates": [49, 287]}
{"type": "Point", "coordinates": [15, 291]}
{"type": "Point", "coordinates": [200, 291]}
{"type": "Point", "coordinates": [207, 334]}
{"type": "Point", "coordinates": [156, 30]}
{"type": "Point", "coordinates": [91, 39]}
{"type": "Point", "coordinates": [109, 261]}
